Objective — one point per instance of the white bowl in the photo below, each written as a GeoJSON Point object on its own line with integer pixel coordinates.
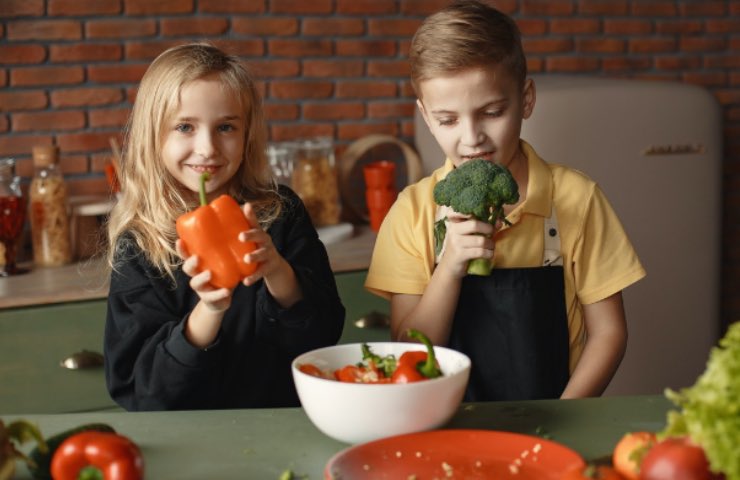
{"type": "Point", "coordinates": [357, 412]}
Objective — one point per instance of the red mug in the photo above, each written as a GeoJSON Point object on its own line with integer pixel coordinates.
{"type": "Point", "coordinates": [381, 174]}
{"type": "Point", "coordinates": [380, 199]}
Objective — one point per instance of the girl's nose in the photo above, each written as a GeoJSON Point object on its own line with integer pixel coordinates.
{"type": "Point", "coordinates": [205, 146]}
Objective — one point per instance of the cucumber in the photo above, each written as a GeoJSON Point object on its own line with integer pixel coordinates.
{"type": "Point", "coordinates": [42, 468]}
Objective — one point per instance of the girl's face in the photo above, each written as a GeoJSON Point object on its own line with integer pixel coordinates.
{"type": "Point", "coordinates": [206, 133]}
{"type": "Point", "coordinates": [477, 113]}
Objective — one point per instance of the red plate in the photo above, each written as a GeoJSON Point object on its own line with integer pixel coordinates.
{"type": "Point", "coordinates": [469, 454]}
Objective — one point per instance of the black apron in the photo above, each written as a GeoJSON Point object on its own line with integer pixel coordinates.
{"type": "Point", "coordinates": [513, 325]}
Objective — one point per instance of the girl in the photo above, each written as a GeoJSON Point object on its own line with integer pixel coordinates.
{"type": "Point", "coordinates": [172, 340]}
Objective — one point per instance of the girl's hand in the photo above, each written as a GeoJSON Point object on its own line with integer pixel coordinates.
{"type": "Point", "coordinates": [466, 239]}
{"type": "Point", "coordinates": [215, 299]}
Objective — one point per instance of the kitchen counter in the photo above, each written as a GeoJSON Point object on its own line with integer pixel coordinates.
{"type": "Point", "coordinates": [263, 443]}
{"type": "Point", "coordinates": [88, 280]}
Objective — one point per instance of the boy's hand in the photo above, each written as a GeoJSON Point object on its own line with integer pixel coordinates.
{"type": "Point", "coordinates": [215, 299]}
{"type": "Point", "coordinates": [466, 239]}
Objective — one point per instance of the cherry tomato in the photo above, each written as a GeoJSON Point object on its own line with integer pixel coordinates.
{"type": "Point", "coordinates": [629, 451]}
{"type": "Point", "coordinates": [676, 459]}
{"type": "Point", "coordinates": [592, 472]}
{"type": "Point", "coordinates": [311, 369]}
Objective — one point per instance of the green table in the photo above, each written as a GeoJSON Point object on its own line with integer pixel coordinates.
{"type": "Point", "coordinates": [261, 443]}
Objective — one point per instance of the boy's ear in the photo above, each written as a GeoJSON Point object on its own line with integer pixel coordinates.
{"type": "Point", "coordinates": [529, 97]}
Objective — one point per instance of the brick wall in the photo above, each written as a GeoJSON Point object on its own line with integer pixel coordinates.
{"type": "Point", "coordinates": [69, 68]}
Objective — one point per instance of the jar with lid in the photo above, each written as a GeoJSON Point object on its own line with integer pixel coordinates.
{"type": "Point", "coordinates": [315, 180]}
{"type": "Point", "coordinates": [12, 217]}
{"type": "Point", "coordinates": [48, 212]}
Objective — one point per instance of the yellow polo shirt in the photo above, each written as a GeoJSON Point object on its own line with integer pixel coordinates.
{"type": "Point", "coordinates": [598, 257]}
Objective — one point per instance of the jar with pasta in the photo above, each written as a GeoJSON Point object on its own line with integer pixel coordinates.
{"type": "Point", "coordinates": [48, 214]}
{"type": "Point", "coordinates": [315, 180]}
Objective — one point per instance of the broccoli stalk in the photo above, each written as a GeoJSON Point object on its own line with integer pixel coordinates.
{"type": "Point", "coordinates": [478, 188]}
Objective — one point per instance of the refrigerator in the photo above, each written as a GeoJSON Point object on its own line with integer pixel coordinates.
{"type": "Point", "coordinates": [655, 148]}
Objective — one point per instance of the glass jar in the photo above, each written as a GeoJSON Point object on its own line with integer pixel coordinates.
{"type": "Point", "coordinates": [48, 213]}
{"type": "Point", "coordinates": [315, 180]}
{"type": "Point", "coordinates": [12, 216]}
{"type": "Point", "coordinates": [281, 157]}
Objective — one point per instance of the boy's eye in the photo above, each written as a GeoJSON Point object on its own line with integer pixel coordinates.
{"type": "Point", "coordinates": [493, 113]}
{"type": "Point", "coordinates": [184, 127]}
{"type": "Point", "coordinates": [445, 121]}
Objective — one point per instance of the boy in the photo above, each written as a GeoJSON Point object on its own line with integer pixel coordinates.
{"type": "Point", "coordinates": [549, 322]}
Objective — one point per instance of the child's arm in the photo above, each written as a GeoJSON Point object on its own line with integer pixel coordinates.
{"type": "Point", "coordinates": [606, 341]}
{"type": "Point", "coordinates": [433, 311]}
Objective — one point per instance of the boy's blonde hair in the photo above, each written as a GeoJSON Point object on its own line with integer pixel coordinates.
{"type": "Point", "coordinates": [151, 199]}
{"type": "Point", "coordinates": [466, 34]}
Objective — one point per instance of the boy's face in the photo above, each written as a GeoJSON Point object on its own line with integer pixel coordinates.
{"type": "Point", "coordinates": [477, 113]}
{"type": "Point", "coordinates": [205, 134]}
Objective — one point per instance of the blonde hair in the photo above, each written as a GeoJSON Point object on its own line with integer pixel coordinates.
{"type": "Point", "coordinates": [466, 34]}
{"type": "Point", "coordinates": [152, 199]}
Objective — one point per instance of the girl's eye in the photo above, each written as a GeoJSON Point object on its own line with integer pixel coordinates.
{"type": "Point", "coordinates": [226, 127]}
{"type": "Point", "coordinates": [184, 128]}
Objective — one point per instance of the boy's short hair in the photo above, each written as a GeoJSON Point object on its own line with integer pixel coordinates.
{"type": "Point", "coordinates": [466, 34]}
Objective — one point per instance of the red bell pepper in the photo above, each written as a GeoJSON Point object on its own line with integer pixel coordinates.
{"type": "Point", "coordinates": [92, 455]}
{"type": "Point", "coordinates": [415, 366]}
{"type": "Point", "coordinates": [211, 232]}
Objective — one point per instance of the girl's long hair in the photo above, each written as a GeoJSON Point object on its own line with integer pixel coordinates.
{"type": "Point", "coordinates": [151, 200]}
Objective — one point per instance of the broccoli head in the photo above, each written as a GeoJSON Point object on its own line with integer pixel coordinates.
{"type": "Point", "coordinates": [478, 188]}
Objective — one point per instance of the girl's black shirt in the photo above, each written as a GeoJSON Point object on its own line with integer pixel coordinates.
{"type": "Point", "coordinates": [149, 365]}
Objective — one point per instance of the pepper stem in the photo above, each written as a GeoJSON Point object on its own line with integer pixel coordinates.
{"type": "Point", "coordinates": [429, 367]}
{"type": "Point", "coordinates": [203, 179]}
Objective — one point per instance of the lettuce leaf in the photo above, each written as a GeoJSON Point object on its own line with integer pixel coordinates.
{"type": "Point", "coordinates": [710, 409]}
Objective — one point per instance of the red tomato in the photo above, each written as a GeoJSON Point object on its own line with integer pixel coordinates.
{"type": "Point", "coordinates": [592, 472]}
{"type": "Point", "coordinates": [676, 459]}
{"type": "Point", "coordinates": [629, 451]}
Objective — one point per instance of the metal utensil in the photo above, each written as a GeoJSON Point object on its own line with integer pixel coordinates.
{"type": "Point", "coordinates": [373, 319]}
{"type": "Point", "coordinates": [82, 359]}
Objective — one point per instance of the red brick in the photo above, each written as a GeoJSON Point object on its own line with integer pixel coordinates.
{"type": "Point", "coordinates": [681, 62]}
{"type": "Point", "coordinates": [601, 45]}
{"type": "Point", "coordinates": [427, 7]}
{"type": "Point", "coordinates": [332, 26]}
{"type": "Point", "coordinates": [281, 111]}
{"type": "Point", "coordinates": [704, 8]}
{"type": "Point", "coordinates": [388, 68]}
{"type": "Point", "coordinates": [547, 45]}
{"type": "Point", "coordinates": [626, 64]}
{"type": "Point", "coordinates": [300, 6]}
{"type": "Point", "coordinates": [11, 101]}
{"type": "Point", "coordinates": [242, 48]}
{"type": "Point", "coordinates": [44, 30]}
{"type": "Point", "coordinates": [22, 144]}
{"type": "Point", "coordinates": [702, 44]}
{"type": "Point", "coordinates": [408, 128]}
{"type": "Point", "coordinates": [84, 7]}
{"type": "Point", "coordinates": [4, 124]}
{"type": "Point", "coordinates": [600, 7]}
{"type": "Point", "coordinates": [84, 52]}
{"type": "Point", "coordinates": [535, 65]}
{"type": "Point", "coordinates": [291, 131]}
{"type": "Point", "coordinates": [393, 27]}
{"type": "Point", "coordinates": [148, 50]}
{"type": "Point", "coordinates": [79, 97]}
{"type": "Point", "coordinates": [679, 26]}
{"type": "Point", "coordinates": [367, 7]}
{"type": "Point", "coordinates": [54, 120]}
{"type": "Point", "coordinates": [725, 25]}
{"type": "Point", "coordinates": [728, 96]}
{"type": "Point", "coordinates": [722, 61]}
{"type": "Point", "coordinates": [531, 26]}
{"type": "Point", "coordinates": [394, 109]}
{"type": "Point", "coordinates": [193, 26]}
{"type": "Point", "coordinates": [19, 53]}
{"type": "Point", "coordinates": [548, 7]}
{"type": "Point", "coordinates": [274, 68]}
{"type": "Point", "coordinates": [153, 7]}
{"type": "Point", "coordinates": [706, 79]}
{"type": "Point", "coordinates": [300, 89]}
{"type": "Point", "coordinates": [88, 186]}
{"type": "Point", "coordinates": [627, 27]}
{"type": "Point", "coordinates": [21, 8]}
{"type": "Point", "coordinates": [652, 45]}
{"type": "Point", "coordinates": [128, 73]}
{"type": "Point", "coordinates": [575, 25]}
{"type": "Point", "coordinates": [407, 90]}
{"type": "Point", "coordinates": [299, 48]}
{"type": "Point", "coordinates": [333, 110]}
{"type": "Point", "coordinates": [366, 48]}
{"type": "Point", "coordinates": [231, 6]}
{"type": "Point", "coordinates": [125, 28]}
{"type": "Point", "coordinates": [23, 77]}
{"type": "Point", "coordinates": [654, 8]}
{"type": "Point", "coordinates": [353, 131]}
{"type": "Point", "coordinates": [572, 64]}
{"type": "Point", "coordinates": [366, 89]}
{"type": "Point", "coordinates": [109, 117]}
{"type": "Point", "coordinates": [73, 165]}
{"type": "Point", "coordinates": [84, 142]}
{"type": "Point", "coordinates": [333, 68]}
{"type": "Point", "coordinates": [265, 26]}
